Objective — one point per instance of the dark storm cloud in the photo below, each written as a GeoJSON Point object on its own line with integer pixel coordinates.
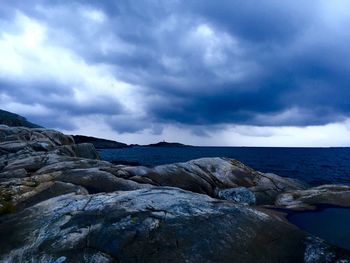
{"type": "Point", "coordinates": [204, 62]}
{"type": "Point", "coordinates": [57, 97]}
{"type": "Point", "coordinates": [271, 21]}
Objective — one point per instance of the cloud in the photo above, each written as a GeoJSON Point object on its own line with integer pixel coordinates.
{"type": "Point", "coordinates": [194, 65]}
{"type": "Point", "coordinates": [36, 73]}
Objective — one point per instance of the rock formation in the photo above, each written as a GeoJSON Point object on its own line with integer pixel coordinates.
{"type": "Point", "coordinates": [337, 195]}
{"type": "Point", "coordinates": [60, 203]}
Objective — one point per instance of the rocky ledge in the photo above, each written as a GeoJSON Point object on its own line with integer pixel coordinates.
{"type": "Point", "coordinates": [60, 203]}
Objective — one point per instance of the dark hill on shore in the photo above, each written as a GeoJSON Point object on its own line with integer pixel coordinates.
{"type": "Point", "coordinates": [98, 142]}
{"type": "Point", "coordinates": [13, 120]}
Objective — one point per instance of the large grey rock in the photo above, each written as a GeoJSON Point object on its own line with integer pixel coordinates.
{"type": "Point", "coordinates": [338, 195]}
{"type": "Point", "coordinates": [38, 164]}
{"type": "Point", "coordinates": [45, 191]}
{"type": "Point", "coordinates": [149, 225]}
{"type": "Point", "coordinates": [83, 150]}
{"type": "Point", "coordinates": [22, 192]}
{"type": "Point", "coordinates": [31, 161]}
{"type": "Point", "coordinates": [48, 138]}
{"type": "Point", "coordinates": [73, 163]}
{"type": "Point", "coordinates": [210, 175]}
{"type": "Point", "coordinates": [96, 181]}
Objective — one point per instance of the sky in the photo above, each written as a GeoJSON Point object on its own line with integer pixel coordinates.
{"type": "Point", "coordinates": [225, 73]}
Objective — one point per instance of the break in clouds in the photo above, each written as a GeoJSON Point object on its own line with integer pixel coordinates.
{"type": "Point", "coordinates": [199, 72]}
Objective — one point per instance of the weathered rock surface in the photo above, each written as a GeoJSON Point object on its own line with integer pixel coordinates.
{"type": "Point", "coordinates": [337, 195]}
{"type": "Point", "coordinates": [209, 175]}
{"type": "Point", "coordinates": [60, 203]}
{"type": "Point", "coordinates": [37, 164]}
{"type": "Point", "coordinates": [240, 195]}
{"type": "Point", "coordinates": [149, 225]}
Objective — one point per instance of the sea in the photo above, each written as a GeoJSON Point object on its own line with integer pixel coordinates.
{"type": "Point", "coordinates": [314, 166]}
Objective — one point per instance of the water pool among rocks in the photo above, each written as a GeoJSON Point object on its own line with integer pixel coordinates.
{"type": "Point", "coordinates": [329, 223]}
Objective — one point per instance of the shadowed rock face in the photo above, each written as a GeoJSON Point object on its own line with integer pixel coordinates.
{"type": "Point", "coordinates": [60, 203]}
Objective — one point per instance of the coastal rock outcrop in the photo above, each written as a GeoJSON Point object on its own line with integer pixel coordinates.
{"type": "Point", "coordinates": [139, 225]}
{"type": "Point", "coordinates": [60, 203]}
{"type": "Point", "coordinates": [336, 195]}
{"type": "Point", "coordinates": [148, 225]}
{"type": "Point", "coordinates": [37, 164]}
{"type": "Point", "coordinates": [211, 175]}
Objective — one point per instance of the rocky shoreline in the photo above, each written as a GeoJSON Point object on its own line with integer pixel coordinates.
{"type": "Point", "coordinates": [60, 203]}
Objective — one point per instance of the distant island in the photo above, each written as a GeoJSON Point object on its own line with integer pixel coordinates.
{"type": "Point", "coordinates": [167, 144]}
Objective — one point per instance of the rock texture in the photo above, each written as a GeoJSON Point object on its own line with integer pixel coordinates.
{"type": "Point", "coordinates": [210, 175]}
{"type": "Point", "coordinates": [337, 195]}
{"type": "Point", "coordinates": [240, 195]}
{"type": "Point", "coordinates": [145, 226]}
{"type": "Point", "coordinates": [60, 203]}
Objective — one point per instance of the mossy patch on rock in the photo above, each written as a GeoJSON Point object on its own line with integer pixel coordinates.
{"type": "Point", "coordinates": [6, 203]}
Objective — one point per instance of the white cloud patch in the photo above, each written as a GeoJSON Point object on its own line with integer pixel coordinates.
{"type": "Point", "coordinates": [94, 15]}
{"type": "Point", "coordinates": [28, 58]}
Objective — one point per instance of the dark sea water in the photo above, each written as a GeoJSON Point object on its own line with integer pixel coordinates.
{"type": "Point", "coordinates": [313, 165]}
{"type": "Point", "coordinates": [329, 223]}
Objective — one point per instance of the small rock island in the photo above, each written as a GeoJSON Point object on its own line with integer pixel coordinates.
{"type": "Point", "coordinates": [60, 203]}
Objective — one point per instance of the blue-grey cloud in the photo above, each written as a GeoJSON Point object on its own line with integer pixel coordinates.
{"type": "Point", "coordinates": [198, 62]}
